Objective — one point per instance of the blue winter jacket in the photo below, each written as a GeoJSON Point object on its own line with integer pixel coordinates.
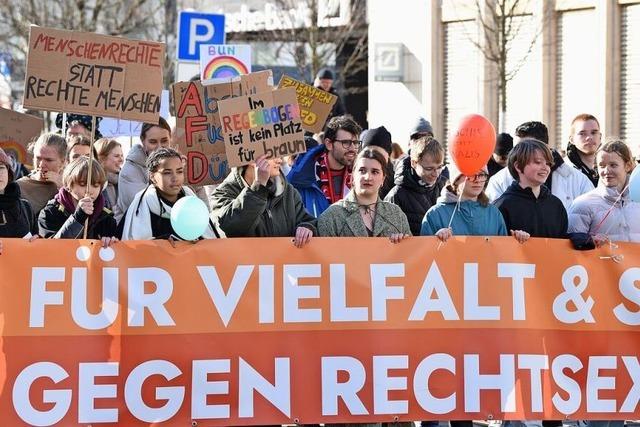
{"type": "Point", "coordinates": [470, 219]}
{"type": "Point", "coordinates": [303, 177]}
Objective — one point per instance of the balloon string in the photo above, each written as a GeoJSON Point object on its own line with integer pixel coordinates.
{"type": "Point", "coordinates": [455, 209]}
{"type": "Point", "coordinates": [597, 227]}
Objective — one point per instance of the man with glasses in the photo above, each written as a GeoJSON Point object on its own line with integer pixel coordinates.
{"type": "Point", "coordinates": [323, 174]}
{"type": "Point", "coordinates": [418, 180]}
{"type": "Point", "coordinates": [584, 140]}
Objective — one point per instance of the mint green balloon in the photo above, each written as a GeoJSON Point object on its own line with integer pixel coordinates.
{"type": "Point", "coordinates": [189, 218]}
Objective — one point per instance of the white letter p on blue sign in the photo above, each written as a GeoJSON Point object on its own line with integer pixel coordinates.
{"type": "Point", "coordinates": [196, 28]}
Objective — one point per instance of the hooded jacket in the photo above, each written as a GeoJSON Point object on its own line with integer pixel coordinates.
{"type": "Point", "coordinates": [17, 219]}
{"type": "Point", "coordinates": [622, 222]}
{"type": "Point", "coordinates": [412, 195]}
{"type": "Point", "coordinates": [342, 219]}
{"type": "Point", "coordinates": [567, 183]}
{"type": "Point", "coordinates": [471, 218]}
{"type": "Point", "coordinates": [542, 216]}
{"type": "Point", "coordinates": [243, 210]}
{"type": "Point", "coordinates": [133, 178]}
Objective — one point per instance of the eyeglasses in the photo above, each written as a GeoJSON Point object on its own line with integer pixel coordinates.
{"type": "Point", "coordinates": [432, 169]}
{"type": "Point", "coordinates": [346, 143]}
{"type": "Point", "coordinates": [479, 177]}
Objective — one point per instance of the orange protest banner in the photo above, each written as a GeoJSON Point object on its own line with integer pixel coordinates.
{"type": "Point", "coordinates": [254, 331]}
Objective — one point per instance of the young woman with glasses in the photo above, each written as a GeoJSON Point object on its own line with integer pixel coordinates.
{"type": "Point", "coordinates": [464, 209]}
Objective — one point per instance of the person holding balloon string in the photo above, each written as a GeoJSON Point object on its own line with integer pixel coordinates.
{"type": "Point", "coordinates": [166, 208]}
{"type": "Point", "coordinates": [464, 209]}
{"type": "Point", "coordinates": [64, 216]}
{"type": "Point", "coordinates": [610, 212]}
{"type": "Point", "coordinates": [256, 200]}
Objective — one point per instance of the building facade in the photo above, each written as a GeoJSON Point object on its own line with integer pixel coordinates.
{"type": "Point", "coordinates": [570, 57]}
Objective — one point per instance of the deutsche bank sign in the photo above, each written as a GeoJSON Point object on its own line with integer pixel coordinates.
{"type": "Point", "coordinates": [196, 28]}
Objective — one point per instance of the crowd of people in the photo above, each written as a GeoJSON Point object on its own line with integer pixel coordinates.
{"type": "Point", "coordinates": [349, 183]}
{"type": "Point", "coordinates": [346, 184]}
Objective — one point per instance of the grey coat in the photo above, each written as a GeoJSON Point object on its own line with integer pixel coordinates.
{"type": "Point", "coordinates": [342, 219]}
{"type": "Point", "coordinates": [132, 179]}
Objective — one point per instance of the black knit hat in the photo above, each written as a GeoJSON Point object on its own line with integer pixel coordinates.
{"type": "Point", "coordinates": [325, 74]}
{"type": "Point", "coordinates": [504, 144]}
{"type": "Point", "coordinates": [379, 137]}
{"type": "Point", "coordinates": [82, 119]}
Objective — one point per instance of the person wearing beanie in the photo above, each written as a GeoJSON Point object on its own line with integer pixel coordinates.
{"type": "Point", "coordinates": [324, 80]}
{"type": "Point", "coordinates": [17, 218]}
{"type": "Point", "coordinates": [421, 128]}
{"type": "Point", "coordinates": [380, 139]}
{"type": "Point", "coordinates": [79, 124]}
{"type": "Point", "coordinates": [498, 160]}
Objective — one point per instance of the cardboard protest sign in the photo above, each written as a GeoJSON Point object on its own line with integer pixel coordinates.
{"type": "Point", "coordinates": [315, 104]}
{"type": "Point", "coordinates": [264, 123]}
{"type": "Point", "coordinates": [198, 128]}
{"type": "Point", "coordinates": [113, 128]}
{"type": "Point", "coordinates": [17, 130]}
{"type": "Point", "coordinates": [92, 74]}
{"type": "Point", "coordinates": [222, 62]}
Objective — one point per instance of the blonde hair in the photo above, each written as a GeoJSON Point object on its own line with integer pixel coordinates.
{"type": "Point", "coordinates": [616, 145]}
{"type": "Point", "coordinates": [77, 172]}
{"type": "Point", "coordinates": [104, 146]}
{"type": "Point", "coordinates": [51, 139]}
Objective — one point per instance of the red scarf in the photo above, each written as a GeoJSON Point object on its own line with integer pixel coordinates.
{"type": "Point", "coordinates": [325, 179]}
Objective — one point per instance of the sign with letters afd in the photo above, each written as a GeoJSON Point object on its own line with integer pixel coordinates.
{"type": "Point", "coordinates": [196, 28]}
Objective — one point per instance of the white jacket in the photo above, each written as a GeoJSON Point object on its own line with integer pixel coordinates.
{"type": "Point", "coordinates": [567, 183]}
{"type": "Point", "coordinates": [588, 213]}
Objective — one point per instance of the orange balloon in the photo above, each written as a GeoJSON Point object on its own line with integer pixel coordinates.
{"type": "Point", "coordinates": [473, 143]}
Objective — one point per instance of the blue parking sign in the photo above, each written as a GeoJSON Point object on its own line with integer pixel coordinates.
{"type": "Point", "coordinates": [196, 28]}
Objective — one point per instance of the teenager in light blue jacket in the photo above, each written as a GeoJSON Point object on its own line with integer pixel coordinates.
{"type": "Point", "coordinates": [475, 216]}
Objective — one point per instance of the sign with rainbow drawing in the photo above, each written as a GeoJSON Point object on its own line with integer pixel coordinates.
{"type": "Point", "coordinates": [220, 63]}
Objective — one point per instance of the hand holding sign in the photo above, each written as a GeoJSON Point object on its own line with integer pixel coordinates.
{"type": "Point", "coordinates": [473, 143]}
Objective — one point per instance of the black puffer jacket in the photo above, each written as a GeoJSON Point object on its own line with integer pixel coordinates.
{"type": "Point", "coordinates": [16, 215]}
{"type": "Point", "coordinates": [54, 221]}
{"type": "Point", "coordinates": [412, 195]}
{"type": "Point", "coordinates": [544, 216]}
